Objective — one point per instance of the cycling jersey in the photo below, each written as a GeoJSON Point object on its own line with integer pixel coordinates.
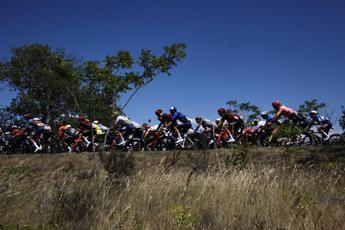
{"type": "Point", "coordinates": [180, 117]}
{"type": "Point", "coordinates": [85, 124]}
{"type": "Point", "coordinates": [231, 117]}
{"type": "Point", "coordinates": [286, 111]}
{"type": "Point", "coordinates": [98, 129]}
{"type": "Point", "coordinates": [165, 118]}
{"type": "Point", "coordinates": [123, 121]}
{"type": "Point", "coordinates": [269, 118]}
{"type": "Point", "coordinates": [203, 125]}
{"type": "Point", "coordinates": [321, 120]}
{"type": "Point", "coordinates": [61, 131]}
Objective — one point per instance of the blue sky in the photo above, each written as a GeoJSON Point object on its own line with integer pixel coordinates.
{"type": "Point", "coordinates": [255, 51]}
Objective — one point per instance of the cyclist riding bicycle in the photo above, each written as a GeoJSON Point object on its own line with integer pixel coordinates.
{"type": "Point", "coordinates": [324, 122]}
{"type": "Point", "coordinates": [283, 111]}
{"type": "Point", "coordinates": [236, 123]}
{"type": "Point", "coordinates": [124, 126]}
{"type": "Point", "coordinates": [164, 118]}
{"type": "Point", "coordinates": [204, 126]}
{"type": "Point", "coordinates": [85, 127]}
{"type": "Point", "coordinates": [179, 123]}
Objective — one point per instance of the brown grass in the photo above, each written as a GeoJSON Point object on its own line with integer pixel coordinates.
{"type": "Point", "coordinates": [66, 192]}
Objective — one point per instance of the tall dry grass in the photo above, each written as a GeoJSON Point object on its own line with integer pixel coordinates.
{"type": "Point", "coordinates": [221, 197]}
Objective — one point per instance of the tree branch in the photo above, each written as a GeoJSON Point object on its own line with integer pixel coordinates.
{"type": "Point", "coordinates": [136, 90]}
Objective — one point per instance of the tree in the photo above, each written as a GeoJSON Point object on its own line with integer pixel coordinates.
{"type": "Point", "coordinates": [342, 118]}
{"type": "Point", "coordinates": [310, 105]}
{"type": "Point", "coordinates": [247, 110]}
{"type": "Point", "coordinates": [40, 76]}
{"type": "Point", "coordinates": [50, 84]}
{"type": "Point", "coordinates": [103, 83]}
{"type": "Point", "coordinates": [6, 117]}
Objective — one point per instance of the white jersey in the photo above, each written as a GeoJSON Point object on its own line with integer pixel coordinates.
{"type": "Point", "coordinates": [123, 121]}
{"type": "Point", "coordinates": [103, 128]}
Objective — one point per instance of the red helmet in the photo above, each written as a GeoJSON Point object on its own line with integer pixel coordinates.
{"type": "Point", "coordinates": [158, 112]}
{"type": "Point", "coordinates": [221, 110]}
{"type": "Point", "coordinates": [276, 103]}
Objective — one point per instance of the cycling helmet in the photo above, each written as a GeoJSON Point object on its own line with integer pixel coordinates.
{"type": "Point", "coordinates": [264, 114]}
{"type": "Point", "coordinates": [173, 109]}
{"type": "Point", "coordinates": [221, 110]}
{"type": "Point", "coordinates": [96, 122]}
{"type": "Point", "coordinates": [158, 112]}
{"type": "Point", "coordinates": [146, 126]}
{"type": "Point", "coordinates": [276, 103]}
{"type": "Point", "coordinates": [313, 112]}
{"type": "Point", "coordinates": [116, 114]}
{"type": "Point", "coordinates": [36, 119]}
{"type": "Point", "coordinates": [198, 119]}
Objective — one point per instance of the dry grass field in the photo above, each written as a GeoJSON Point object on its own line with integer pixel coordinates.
{"type": "Point", "coordinates": [264, 188]}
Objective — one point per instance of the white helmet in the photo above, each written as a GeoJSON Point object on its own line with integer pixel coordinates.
{"type": "Point", "coordinates": [36, 119]}
{"type": "Point", "coordinates": [116, 114]}
{"type": "Point", "coordinates": [96, 122]}
{"type": "Point", "coordinates": [313, 112]}
{"type": "Point", "coordinates": [264, 114]}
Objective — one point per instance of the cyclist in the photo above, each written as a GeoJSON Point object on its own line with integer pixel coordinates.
{"type": "Point", "coordinates": [179, 123]}
{"type": "Point", "coordinates": [204, 126]}
{"type": "Point", "coordinates": [267, 117]}
{"type": "Point", "coordinates": [282, 110]}
{"type": "Point", "coordinates": [236, 123]}
{"type": "Point", "coordinates": [85, 127]}
{"type": "Point", "coordinates": [324, 122]}
{"type": "Point", "coordinates": [164, 118]}
{"type": "Point", "coordinates": [124, 126]}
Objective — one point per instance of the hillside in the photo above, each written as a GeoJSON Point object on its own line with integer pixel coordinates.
{"type": "Point", "coordinates": [239, 188]}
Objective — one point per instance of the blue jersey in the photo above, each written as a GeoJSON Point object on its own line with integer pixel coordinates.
{"type": "Point", "coordinates": [269, 118]}
{"type": "Point", "coordinates": [320, 120]}
{"type": "Point", "coordinates": [180, 117]}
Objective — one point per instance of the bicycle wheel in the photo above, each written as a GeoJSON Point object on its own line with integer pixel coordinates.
{"type": "Point", "coordinates": [336, 139]}
{"type": "Point", "coordinates": [301, 139]}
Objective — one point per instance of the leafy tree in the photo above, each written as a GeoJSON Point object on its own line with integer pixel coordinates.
{"type": "Point", "coordinates": [103, 83]}
{"type": "Point", "coordinates": [50, 84]}
{"type": "Point", "coordinates": [40, 76]}
{"type": "Point", "coordinates": [247, 110]}
{"type": "Point", "coordinates": [310, 105]}
{"type": "Point", "coordinates": [6, 117]}
{"type": "Point", "coordinates": [342, 118]}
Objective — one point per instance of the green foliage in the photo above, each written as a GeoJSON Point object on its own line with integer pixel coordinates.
{"type": "Point", "coordinates": [182, 216]}
{"type": "Point", "coordinates": [6, 117]}
{"type": "Point", "coordinates": [295, 150]}
{"type": "Point", "coordinates": [118, 164]}
{"type": "Point", "coordinates": [310, 105]}
{"type": "Point", "coordinates": [302, 202]}
{"type": "Point", "coordinates": [342, 118]}
{"type": "Point", "coordinates": [242, 155]}
{"type": "Point", "coordinates": [288, 130]}
{"type": "Point", "coordinates": [247, 110]}
{"type": "Point", "coordinates": [17, 170]}
{"type": "Point", "coordinates": [40, 76]}
{"type": "Point", "coordinates": [49, 83]}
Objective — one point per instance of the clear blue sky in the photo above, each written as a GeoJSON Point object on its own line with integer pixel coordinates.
{"type": "Point", "coordinates": [254, 51]}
